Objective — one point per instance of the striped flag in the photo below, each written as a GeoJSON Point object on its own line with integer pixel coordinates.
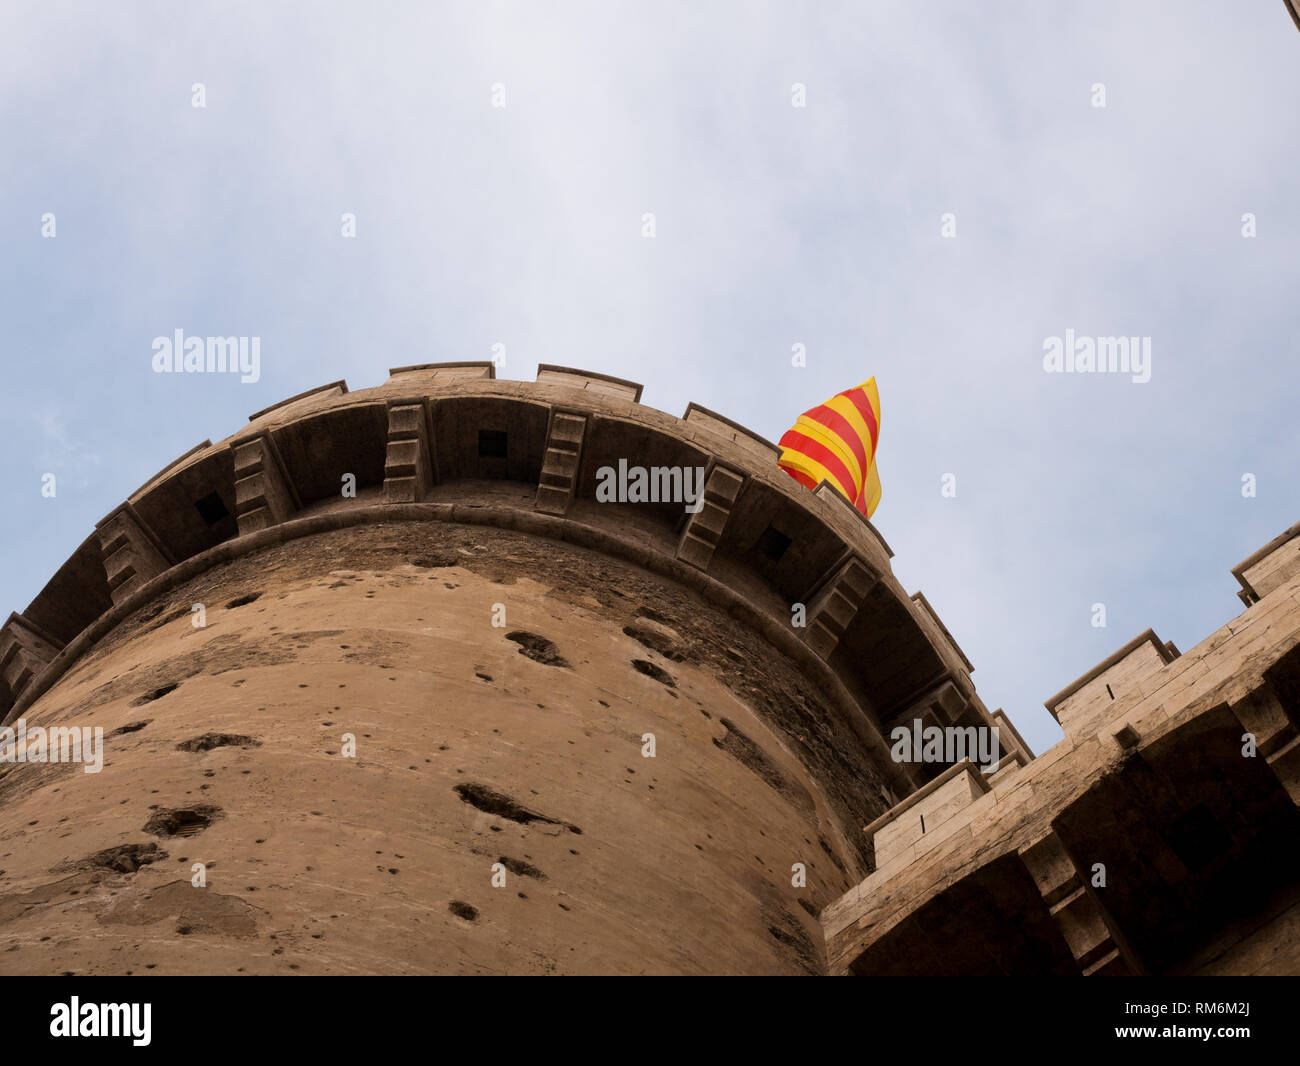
{"type": "Point", "coordinates": [836, 442]}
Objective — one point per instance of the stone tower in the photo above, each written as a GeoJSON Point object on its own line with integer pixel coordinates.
{"type": "Point", "coordinates": [460, 675]}
{"type": "Point", "coordinates": [419, 701]}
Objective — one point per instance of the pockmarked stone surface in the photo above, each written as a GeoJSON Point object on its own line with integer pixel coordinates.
{"type": "Point", "coordinates": [382, 684]}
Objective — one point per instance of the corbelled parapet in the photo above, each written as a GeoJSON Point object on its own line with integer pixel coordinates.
{"type": "Point", "coordinates": [1157, 837]}
{"type": "Point", "coordinates": [436, 442]}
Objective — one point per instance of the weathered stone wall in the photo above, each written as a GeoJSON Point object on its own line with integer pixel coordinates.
{"type": "Point", "coordinates": [1268, 946]}
{"type": "Point", "coordinates": [370, 613]}
{"type": "Point", "coordinates": [678, 863]}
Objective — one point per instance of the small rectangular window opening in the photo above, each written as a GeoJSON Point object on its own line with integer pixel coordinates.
{"type": "Point", "coordinates": [773, 543]}
{"type": "Point", "coordinates": [211, 509]}
{"type": "Point", "coordinates": [492, 443]}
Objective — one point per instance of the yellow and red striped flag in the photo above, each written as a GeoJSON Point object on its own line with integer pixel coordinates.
{"type": "Point", "coordinates": [836, 442]}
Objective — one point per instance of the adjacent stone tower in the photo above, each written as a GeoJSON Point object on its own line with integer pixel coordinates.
{"type": "Point", "coordinates": [1159, 837]}
{"type": "Point", "coordinates": [418, 701]}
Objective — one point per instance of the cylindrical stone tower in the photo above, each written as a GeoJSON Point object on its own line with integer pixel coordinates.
{"type": "Point", "coordinates": [450, 676]}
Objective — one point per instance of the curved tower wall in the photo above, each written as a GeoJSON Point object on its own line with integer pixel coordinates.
{"type": "Point", "coordinates": [458, 675]}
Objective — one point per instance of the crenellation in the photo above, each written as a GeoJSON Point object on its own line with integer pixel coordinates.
{"type": "Point", "coordinates": [1078, 706]}
{"type": "Point", "coordinates": [1120, 765]}
{"type": "Point", "coordinates": [931, 618]}
{"type": "Point", "coordinates": [450, 445]}
{"type": "Point", "coordinates": [717, 425]}
{"type": "Point", "coordinates": [1270, 568]}
{"type": "Point", "coordinates": [1007, 730]}
{"type": "Point", "coordinates": [930, 816]}
{"type": "Point", "coordinates": [442, 373]}
{"type": "Point", "coordinates": [334, 388]}
{"type": "Point", "coordinates": [589, 380]}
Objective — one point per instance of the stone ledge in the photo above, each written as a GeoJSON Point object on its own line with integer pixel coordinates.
{"type": "Point", "coordinates": [570, 378]}
{"type": "Point", "coordinates": [1111, 660]}
{"type": "Point", "coordinates": [341, 385]}
{"type": "Point", "coordinates": [1264, 579]}
{"type": "Point", "coordinates": [463, 371]}
{"type": "Point", "coordinates": [696, 414]}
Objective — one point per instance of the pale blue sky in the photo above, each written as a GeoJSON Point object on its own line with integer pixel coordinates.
{"type": "Point", "coordinates": [775, 226]}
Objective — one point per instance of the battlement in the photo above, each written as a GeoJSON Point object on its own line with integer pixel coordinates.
{"type": "Point", "coordinates": [449, 442]}
{"type": "Point", "coordinates": [1269, 568]}
{"type": "Point", "coordinates": [1079, 705]}
{"type": "Point", "coordinates": [1177, 782]}
{"type": "Point", "coordinates": [994, 858]}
